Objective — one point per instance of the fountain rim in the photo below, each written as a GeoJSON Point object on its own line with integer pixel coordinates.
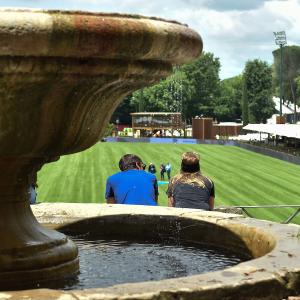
{"type": "Point", "coordinates": [82, 35]}
{"type": "Point", "coordinates": [280, 267]}
{"type": "Point", "coordinates": [90, 13]}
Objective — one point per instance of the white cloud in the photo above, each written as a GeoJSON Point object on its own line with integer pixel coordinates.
{"type": "Point", "coordinates": [237, 36]}
{"type": "Point", "coordinates": [235, 31]}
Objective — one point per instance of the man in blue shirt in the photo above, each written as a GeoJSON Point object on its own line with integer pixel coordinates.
{"type": "Point", "coordinates": [132, 185]}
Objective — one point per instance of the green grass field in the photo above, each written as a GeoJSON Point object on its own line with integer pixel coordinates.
{"type": "Point", "coordinates": [241, 177]}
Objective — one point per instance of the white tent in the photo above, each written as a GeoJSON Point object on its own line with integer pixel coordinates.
{"type": "Point", "coordinates": [288, 130]}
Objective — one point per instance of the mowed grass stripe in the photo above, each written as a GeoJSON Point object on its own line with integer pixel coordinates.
{"type": "Point", "coordinates": [248, 173]}
{"type": "Point", "coordinates": [246, 194]}
{"type": "Point", "coordinates": [258, 192]}
{"type": "Point", "coordinates": [241, 177]}
{"type": "Point", "coordinates": [224, 169]}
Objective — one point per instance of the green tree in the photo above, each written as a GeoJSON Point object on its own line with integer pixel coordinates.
{"type": "Point", "coordinates": [122, 113]}
{"type": "Point", "coordinates": [203, 75]}
{"type": "Point", "coordinates": [228, 106]}
{"type": "Point", "coordinates": [290, 71]}
{"type": "Point", "coordinates": [171, 95]}
{"type": "Point", "coordinates": [257, 78]}
{"type": "Point", "coordinates": [297, 86]}
{"type": "Point", "coordinates": [245, 105]}
{"type": "Point", "coordinates": [190, 89]}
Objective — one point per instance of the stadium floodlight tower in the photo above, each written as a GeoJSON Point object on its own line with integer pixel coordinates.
{"type": "Point", "coordinates": [280, 39]}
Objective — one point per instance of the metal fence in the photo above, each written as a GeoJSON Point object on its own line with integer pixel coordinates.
{"type": "Point", "coordinates": [288, 220]}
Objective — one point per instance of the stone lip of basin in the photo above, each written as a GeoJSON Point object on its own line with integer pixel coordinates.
{"type": "Point", "coordinates": [274, 273]}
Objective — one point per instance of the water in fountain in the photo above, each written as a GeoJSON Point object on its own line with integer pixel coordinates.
{"type": "Point", "coordinates": [106, 262]}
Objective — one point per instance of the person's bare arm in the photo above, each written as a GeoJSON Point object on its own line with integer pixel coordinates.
{"type": "Point", "coordinates": [171, 201]}
{"type": "Point", "coordinates": [111, 200]}
{"type": "Point", "coordinates": [211, 203]}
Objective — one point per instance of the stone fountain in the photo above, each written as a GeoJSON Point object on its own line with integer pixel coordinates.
{"type": "Point", "coordinates": [62, 75]}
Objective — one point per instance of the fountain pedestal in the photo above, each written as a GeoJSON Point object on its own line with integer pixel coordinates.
{"type": "Point", "coordinates": [29, 253]}
{"type": "Point", "coordinates": [62, 74]}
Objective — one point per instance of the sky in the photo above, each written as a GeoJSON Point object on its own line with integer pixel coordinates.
{"type": "Point", "coordinates": [235, 31]}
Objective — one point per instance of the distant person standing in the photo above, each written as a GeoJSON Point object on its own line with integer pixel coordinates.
{"type": "Point", "coordinates": [162, 171]}
{"type": "Point", "coordinates": [189, 188]}
{"type": "Point", "coordinates": [168, 168]}
{"type": "Point", "coordinates": [132, 185]}
{"type": "Point", "coordinates": [151, 168]}
{"type": "Point", "coordinates": [32, 193]}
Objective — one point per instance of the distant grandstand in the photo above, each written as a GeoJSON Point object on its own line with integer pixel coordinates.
{"type": "Point", "coordinates": [157, 123]}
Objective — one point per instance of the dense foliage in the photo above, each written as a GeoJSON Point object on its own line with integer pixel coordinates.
{"type": "Point", "coordinates": [191, 89]}
{"type": "Point", "coordinates": [122, 113]}
{"type": "Point", "coordinates": [171, 95]}
{"type": "Point", "coordinates": [203, 76]}
{"type": "Point", "coordinates": [227, 107]}
{"type": "Point", "coordinates": [257, 92]}
{"type": "Point", "coordinates": [196, 90]}
{"type": "Point", "coordinates": [290, 72]}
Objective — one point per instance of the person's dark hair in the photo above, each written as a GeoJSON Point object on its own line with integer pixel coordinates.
{"type": "Point", "coordinates": [190, 162]}
{"type": "Point", "coordinates": [129, 162]}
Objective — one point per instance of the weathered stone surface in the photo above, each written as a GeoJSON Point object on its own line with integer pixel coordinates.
{"type": "Point", "coordinates": [62, 74]}
{"type": "Point", "coordinates": [273, 274]}
{"type": "Point", "coordinates": [229, 209]}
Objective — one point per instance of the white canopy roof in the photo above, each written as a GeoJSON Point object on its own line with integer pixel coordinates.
{"type": "Point", "coordinates": [288, 130]}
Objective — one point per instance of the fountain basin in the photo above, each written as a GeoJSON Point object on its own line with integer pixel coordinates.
{"type": "Point", "coordinates": [273, 273]}
{"type": "Point", "coordinates": [62, 74]}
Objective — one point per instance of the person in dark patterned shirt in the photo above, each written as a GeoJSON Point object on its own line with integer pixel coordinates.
{"type": "Point", "coordinates": [190, 188]}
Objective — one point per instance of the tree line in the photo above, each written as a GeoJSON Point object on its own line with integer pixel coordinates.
{"type": "Point", "coordinates": [195, 89]}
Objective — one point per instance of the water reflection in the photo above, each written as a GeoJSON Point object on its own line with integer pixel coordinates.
{"type": "Point", "coordinates": [108, 262]}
